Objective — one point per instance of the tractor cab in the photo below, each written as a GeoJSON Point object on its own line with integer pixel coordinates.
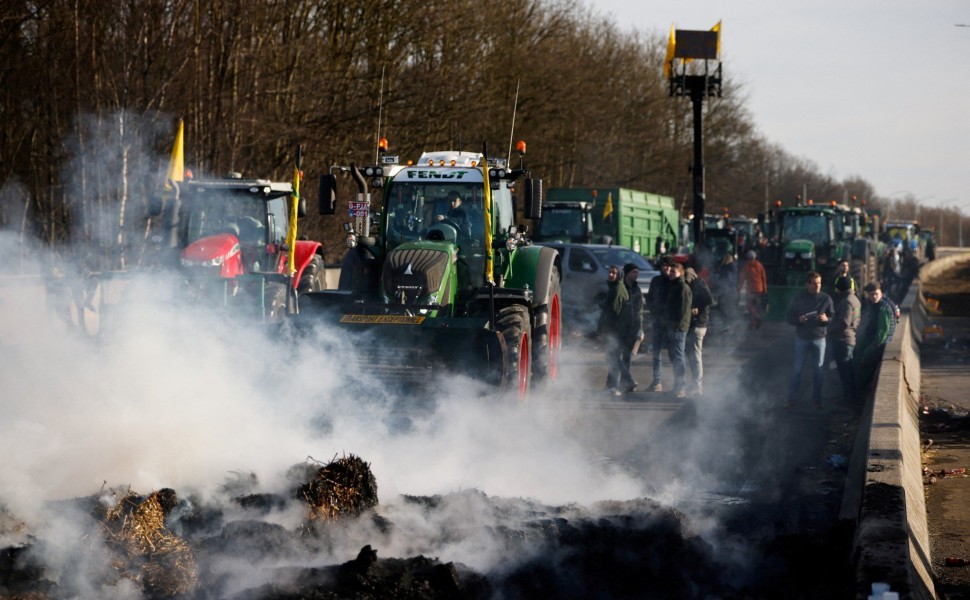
{"type": "Point", "coordinates": [233, 226]}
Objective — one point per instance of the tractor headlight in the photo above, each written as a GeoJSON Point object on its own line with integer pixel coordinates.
{"type": "Point", "coordinates": [789, 255]}
{"type": "Point", "coordinates": [807, 255]}
{"type": "Point", "coordinates": [212, 262]}
{"type": "Point", "coordinates": [511, 244]}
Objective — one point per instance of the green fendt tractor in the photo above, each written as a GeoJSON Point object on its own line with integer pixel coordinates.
{"type": "Point", "coordinates": [444, 285]}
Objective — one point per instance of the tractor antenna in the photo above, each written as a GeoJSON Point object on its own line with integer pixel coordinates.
{"type": "Point", "coordinates": [380, 111]}
{"type": "Point", "coordinates": [515, 106]}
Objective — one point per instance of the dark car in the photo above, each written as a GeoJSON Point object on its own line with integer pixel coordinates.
{"type": "Point", "coordinates": [584, 270]}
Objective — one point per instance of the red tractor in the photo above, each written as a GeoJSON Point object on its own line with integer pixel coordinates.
{"type": "Point", "coordinates": [231, 235]}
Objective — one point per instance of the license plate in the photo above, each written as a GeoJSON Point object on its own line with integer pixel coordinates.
{"type": "Point", "coordinates": [382, 319]}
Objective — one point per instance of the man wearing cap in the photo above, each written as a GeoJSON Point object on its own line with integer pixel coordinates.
{"type": "Point", "coordinates": [676, 323]}
{"type": "Point", "coordinates": [656, 302]}
{"type": "Point", "coordinates": [629, 328]}
{"type": "Point", "coordinates": [754, 277]}
{"type": "Point", "coordinates": [842, 333]}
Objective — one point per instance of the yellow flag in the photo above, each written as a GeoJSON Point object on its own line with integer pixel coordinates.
{"type": "Point", "coordinates": [489, 251]}
{"type": "Point", "coordinates": [608, 209]}
{"type": "Point", "coordinates": [717, 28]}
{"type": "Point", "coordinates": [294, 211]}
{"type": "Point", "coordinates": [669, 60]}
{"type": "Point", "coordinates": [176, 163]}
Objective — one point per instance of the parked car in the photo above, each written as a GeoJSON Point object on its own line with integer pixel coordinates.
{"type": "Point", "coordinates": [584, 270]}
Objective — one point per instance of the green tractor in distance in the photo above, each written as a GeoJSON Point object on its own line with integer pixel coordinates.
{"type": "Point", "coordinates": [441, 285]}
{"type": "Point", "coordinates": [816, 238]}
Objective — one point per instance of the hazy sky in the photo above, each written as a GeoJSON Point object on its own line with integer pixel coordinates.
{"type": "Point", "coordinates": [875, 88]}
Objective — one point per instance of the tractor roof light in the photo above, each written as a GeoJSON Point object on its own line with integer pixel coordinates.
{"type": "Point", "coordinates": [520, 146]}
{"type": "Point", "coordinates": [382, 145]}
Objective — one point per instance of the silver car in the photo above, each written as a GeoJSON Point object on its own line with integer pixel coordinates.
{"type": "Point", "coordinates": [584, 270]}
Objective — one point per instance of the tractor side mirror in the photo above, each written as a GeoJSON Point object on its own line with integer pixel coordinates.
{"type": "Point", "coordinates": [301, 207]}
{"type": "Point", "coordinates": [328, 194]}
{"type": "Point", "coordinates": [532, 198]}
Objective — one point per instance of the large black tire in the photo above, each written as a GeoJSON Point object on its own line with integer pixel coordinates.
{"type": "Point", "coordinates": [547, 335]}
{"type": "Point", "coordinates": [513, 323]}
{"type": "Point", "coordinates": [314, 277]}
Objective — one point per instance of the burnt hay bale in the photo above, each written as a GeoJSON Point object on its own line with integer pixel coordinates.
{"type": "Point", "coordinates": [343, 487]}
{"type": "Point", "coordinates": [145, 551]}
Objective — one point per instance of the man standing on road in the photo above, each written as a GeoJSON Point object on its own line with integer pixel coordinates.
{"type": "Point", "coordinates": [700, 311]}
{"type": "Point", "coordinates": [754, 277]}
{"type": "Point", "coordinates": [609, 326]}
{"type": "Point", "coordinates": [842, 333]}
{"type": "Point", "coordinates": [810, 311]}
{"type": "Point", "coordinates": [842, 270]}
{"type": "Point", "coordinates": [629, 327]}
{"type": "Point", "coordinates": [656, 303]}
{"type": "Point", "coordinates": [875, 330]}
{"type": "Point", "coordinates": [676, 323]}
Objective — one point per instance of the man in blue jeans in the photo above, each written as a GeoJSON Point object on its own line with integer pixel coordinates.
{"type": "Point", "coordinates": [810, 311]}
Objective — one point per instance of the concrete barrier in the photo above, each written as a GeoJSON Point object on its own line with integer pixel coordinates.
{"type": "Point", "coordinates": [892, 537]}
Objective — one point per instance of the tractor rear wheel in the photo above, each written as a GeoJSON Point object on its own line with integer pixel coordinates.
{"type": "Point", "coordinates": [513, 323]}
{"type": "Point", "coordinates": [547, 336]}
{"type": "Point", "coordinates": [313, 278]}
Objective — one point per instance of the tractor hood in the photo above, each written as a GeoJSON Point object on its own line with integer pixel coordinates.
{"type": "Point", "coordinates": [799, 248]}
{"type": "Point", "coordinates": [419, 273]}
{"type": "Point", "coordinates": [219, 252]}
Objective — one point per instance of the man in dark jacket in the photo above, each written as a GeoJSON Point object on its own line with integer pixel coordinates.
{"type": "Point", "coordinates": [609, 326]}
{"type": "Point", "coordinates": [700, 312]}
{"type": "Point", "coordinates": [676, 317]}
{"type": "Point", "coordinates": [810, 312]}
{"type": "Point", "coordinates": [656, 301]}
{"type": "Point", "coordinates": [876, 328]}
{"type": "Point", "coordinates": [629, 327]}
{"type": "Point", "coordinates": [842, 330]}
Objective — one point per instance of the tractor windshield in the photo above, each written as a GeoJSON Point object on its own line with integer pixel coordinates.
{"type": "Point", "coordinates": [239, 213]}
{"type": "Point", "coordinates": [814, 227]}
{"type": "Point", "coordinates": [413, 207]}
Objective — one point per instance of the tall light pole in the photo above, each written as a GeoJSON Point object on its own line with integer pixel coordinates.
{"type": "Point", "coordinates": [702, 50]}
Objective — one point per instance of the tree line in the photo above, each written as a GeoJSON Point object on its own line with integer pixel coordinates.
{"type": "Point", "coordinates": [91, 92]}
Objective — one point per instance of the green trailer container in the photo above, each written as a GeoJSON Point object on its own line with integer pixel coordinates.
{"type": "Point", "coordinates": [619, 216]}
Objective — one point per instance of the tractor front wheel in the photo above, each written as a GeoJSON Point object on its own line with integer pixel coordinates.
{"type": "Point", "coordinates": [513, 323]}
{"type": "Point", "coordinates": [547, 337]}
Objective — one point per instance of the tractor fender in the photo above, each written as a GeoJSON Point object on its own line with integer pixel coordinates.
{"type": "Point", "coordinates": [535, 266]}
{"type": "Point", "coordinates": [303, 253]}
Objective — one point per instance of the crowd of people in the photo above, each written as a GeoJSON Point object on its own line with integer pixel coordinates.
{"type": "Point", "coordinates": [841, 328]}
{"type": "Point", "coordinates": [855, 333]}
